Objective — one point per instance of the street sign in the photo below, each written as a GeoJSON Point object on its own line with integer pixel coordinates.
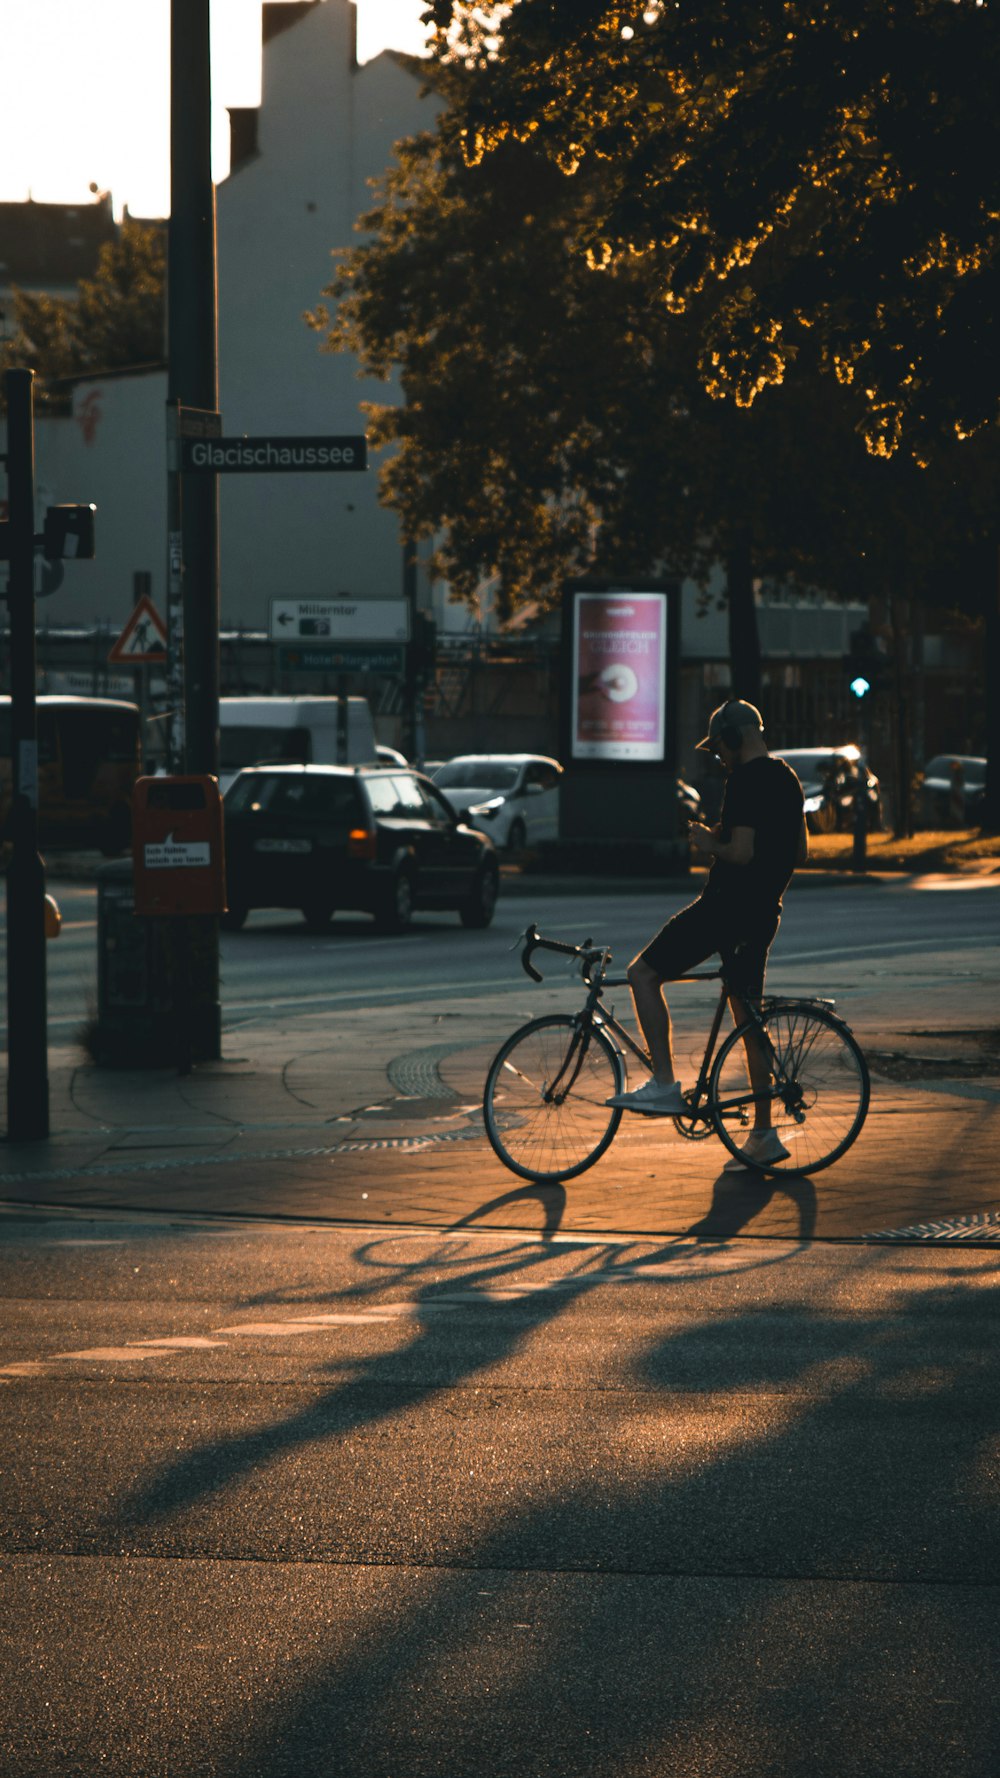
{"type": "Point", "coordinates": [339, 620]}
{"type": "Point", "coordinates": [269, 456]}
{"type": "Point", "coordinates": [198, 422]}
{"type": "Point", "coordinates": [354, 657]}
{"type": "Point", "coordinates": [144, 638]}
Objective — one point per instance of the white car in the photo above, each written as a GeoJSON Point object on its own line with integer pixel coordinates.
{"type": "Point", "coordinates": [391, 756]}
{"type": "Point", "coordinates": [829, 777]}
{"type": "Point", "coordinates": [512, 797]}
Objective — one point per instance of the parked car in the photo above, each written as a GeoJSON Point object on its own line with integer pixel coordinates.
{"type": "Point", "coordinates": [390, 756]}
{"type": "Point", "coordinates": [320, 838]}
{"type": "Point", "coordinates": [830, 777]}
{"type": "Point", "coordinates": [937, 785]}
{"type": "Point", "coordinates": [512, 797]}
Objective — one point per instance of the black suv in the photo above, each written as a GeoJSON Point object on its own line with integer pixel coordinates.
{"type": "Point", "coordinates": [318, 838]}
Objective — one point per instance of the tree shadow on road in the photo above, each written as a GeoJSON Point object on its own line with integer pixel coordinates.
{"type": "Point", "coordinates": [768, 1506]}
{"type": "Point", "coordinates": [773, 1547]}
{"type": "Point", "coordinates": [401, 1380]}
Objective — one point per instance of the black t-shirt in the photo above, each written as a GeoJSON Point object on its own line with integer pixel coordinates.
{"type": "Point", "coordinates": [766, 795]}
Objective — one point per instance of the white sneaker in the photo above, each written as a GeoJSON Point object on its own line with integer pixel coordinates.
{"type": "Point", "coordinates": [761, 1149]}
{"type": "Point", "coordinates": [653, 1099]}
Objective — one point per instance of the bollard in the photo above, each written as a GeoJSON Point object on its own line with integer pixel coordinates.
{"type": "Point", "coordinates": [859, 851]}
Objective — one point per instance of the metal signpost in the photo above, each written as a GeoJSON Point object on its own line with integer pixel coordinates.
{"type": "Point", "coordinates": [68, 531]}
{"type": "Point", "coordinates": [182, 423]}
{"type": "Point", "coordinates": [27, 1036]}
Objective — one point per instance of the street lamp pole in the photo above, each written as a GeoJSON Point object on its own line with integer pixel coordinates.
{"type": "Point", "coordinates": [192, 354]}
{"type": "Point", "coordinates": [193, 382]}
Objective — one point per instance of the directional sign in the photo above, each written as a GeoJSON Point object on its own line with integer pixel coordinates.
{"type": "Point", "coordinates": [339, 620]}
{"type": "Point", "coordinates": [356, 657]}
{"type": "Point", "coordinates": [144, 638]}
{"type": "Point", "coordinates": [270, 456]}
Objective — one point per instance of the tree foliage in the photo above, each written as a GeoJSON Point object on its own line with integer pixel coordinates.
{"type": "Point", "coordinates": [116, 319]}
{"type": "Point", "coordinates": [555, 419]}
{"type": "Point", "coordinates": [822, 171]}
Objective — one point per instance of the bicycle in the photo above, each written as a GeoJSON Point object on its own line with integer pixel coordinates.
{"type": "Point", "coordinates": [544, 1099]}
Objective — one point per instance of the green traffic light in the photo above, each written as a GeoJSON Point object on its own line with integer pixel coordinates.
{"type": "Point", "coordinates": [861, 686]}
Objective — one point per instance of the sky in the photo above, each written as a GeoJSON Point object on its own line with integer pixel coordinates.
{"type": "Point", "coordinates": [85, 91]}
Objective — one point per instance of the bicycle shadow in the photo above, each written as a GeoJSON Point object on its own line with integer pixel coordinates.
{"type": "Point", "coordinates": [414, 1377]}
{"type": "Point", "coordinates": [551, 1199]}
{"type": "Point", "coordinates": [738, 1198]}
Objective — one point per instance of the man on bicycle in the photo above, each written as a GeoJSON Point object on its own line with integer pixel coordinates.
{"type": "Point", "coordinates": [754, 848]}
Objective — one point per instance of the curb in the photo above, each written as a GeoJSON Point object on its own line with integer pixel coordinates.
{"type": "Point", "coordinates": [76, 867]}
{"type": "Point", "coordinates": [517, 882]}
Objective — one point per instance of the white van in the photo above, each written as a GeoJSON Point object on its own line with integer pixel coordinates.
{"type": "Point", "coordinates": [303, 731]}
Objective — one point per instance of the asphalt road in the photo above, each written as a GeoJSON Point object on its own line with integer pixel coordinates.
{"type": "Point", "coordinates": [319, 1502]}
{"type": "Point", "coordinates": [829, 939]}
{"type": "Point", "coordinates": [307, 1503]}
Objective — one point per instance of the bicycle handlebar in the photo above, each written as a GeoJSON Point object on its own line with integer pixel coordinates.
{"type": "Point", "coordinates": [533, 941]}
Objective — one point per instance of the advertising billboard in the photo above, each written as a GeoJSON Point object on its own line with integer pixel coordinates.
{"type": "Point", "coordinates": [619, 675]}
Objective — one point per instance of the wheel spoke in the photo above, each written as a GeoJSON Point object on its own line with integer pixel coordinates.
{"type": "Point", "coordinates": [544, 1100]}
{"type": "Point", "coordinates": [820, 1086]}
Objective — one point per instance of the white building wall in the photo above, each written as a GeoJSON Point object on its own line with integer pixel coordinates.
{"type": "Point", "coordinates": [112, 452]}
{"type": "Point", "coordinates": [326, 129]}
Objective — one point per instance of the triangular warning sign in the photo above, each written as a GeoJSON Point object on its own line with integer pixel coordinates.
{"type": "Point", "coordinates": [143, 639]}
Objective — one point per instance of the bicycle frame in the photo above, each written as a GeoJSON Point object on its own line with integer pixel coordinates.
{"type": "Point", "coordinates": [697, 1096]}
{"type": "Point", "coordinates": [788, 1051]}
{"type": "Point", "coordinates": [594, 962]}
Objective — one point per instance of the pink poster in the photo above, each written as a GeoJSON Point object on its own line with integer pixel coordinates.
{"type": "Point", "coordinates": [619, 677]}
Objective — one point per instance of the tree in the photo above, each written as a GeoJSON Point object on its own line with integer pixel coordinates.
{"type": "Point", "coordinates": [822, 170]}
{"type": "Point", "coordinates": [803, 193]}
{"type": "Point", "coordinates": [555, 419]}
{"type": "Point", "coordinates": [116, 319]}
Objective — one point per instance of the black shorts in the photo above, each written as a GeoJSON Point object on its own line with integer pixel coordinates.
{"type": "Point", "coordinates": [701, 930]}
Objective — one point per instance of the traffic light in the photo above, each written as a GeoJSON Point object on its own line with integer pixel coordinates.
{"type": "Point", "coordinates": [867, 665]}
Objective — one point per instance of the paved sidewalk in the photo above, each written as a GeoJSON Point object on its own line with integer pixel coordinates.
{"type": "Point", "coordinates": [374, 1117]}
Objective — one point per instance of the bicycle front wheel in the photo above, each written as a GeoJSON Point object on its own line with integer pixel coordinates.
{"type": "Point", "coordinates": [819, 1086]}
{"type": "Point", "coordinates": [544, 1098]}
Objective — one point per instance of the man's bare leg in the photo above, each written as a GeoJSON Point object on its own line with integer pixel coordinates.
{"type": "Point", "coordinates": [653, 1014]}
{"type": "Point", "coordinates": [758, 1067]}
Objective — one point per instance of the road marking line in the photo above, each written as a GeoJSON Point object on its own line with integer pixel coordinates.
{"type": "Point", "coordinates": [108, 1354]}
{"type": "Point", "coordinates": [180, 1342]}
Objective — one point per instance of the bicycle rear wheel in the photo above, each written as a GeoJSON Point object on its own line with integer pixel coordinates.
{"type": "Point", "coordinates": [543, 1102]}
{"type": "Point", "coordinates": [820, 1086]}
